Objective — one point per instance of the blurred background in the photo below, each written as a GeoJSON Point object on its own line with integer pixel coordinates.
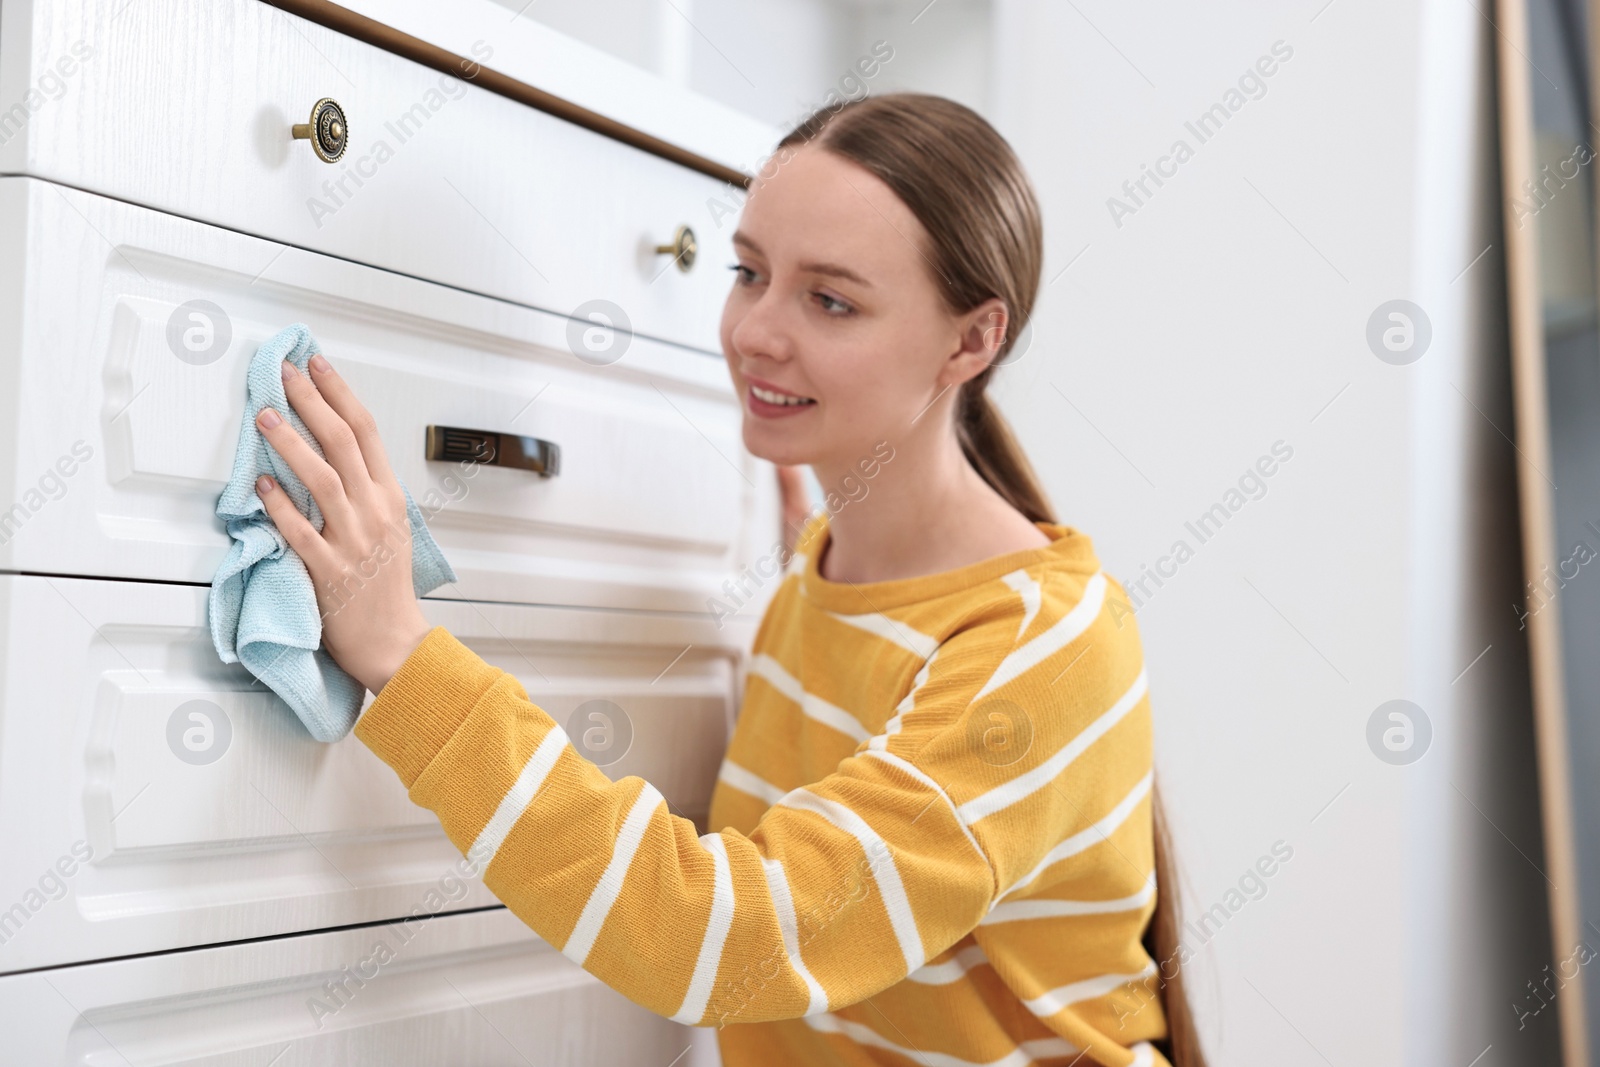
{"type": "Point", "coordinates": [1205, 307]}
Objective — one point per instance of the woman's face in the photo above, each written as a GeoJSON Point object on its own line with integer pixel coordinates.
{"type": "Point", "coordinates": [834, 309]}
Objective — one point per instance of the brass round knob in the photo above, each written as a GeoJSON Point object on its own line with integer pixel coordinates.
{"type": "Point", "coordinates": [682, 249]}
{"type": "Point", "coordinates": [328, 130]}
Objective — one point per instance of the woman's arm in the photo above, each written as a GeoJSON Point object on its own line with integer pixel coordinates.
{"type": "Point", "coordinates": [845, 886]}
{"type": "Point", "coordinates": [842, 889]}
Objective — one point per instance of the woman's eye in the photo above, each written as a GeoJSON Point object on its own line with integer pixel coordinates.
{"type": "Point", "coordinates": [833, 305]}
{"type": "Point", "coordinates": [744, 274]}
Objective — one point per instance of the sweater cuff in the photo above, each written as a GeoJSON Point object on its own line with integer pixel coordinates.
{"type": "Point", "coordinates": [423, 705]}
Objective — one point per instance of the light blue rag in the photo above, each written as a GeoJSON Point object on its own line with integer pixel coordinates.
{"type": "Point", "coordinates": [263, 607]}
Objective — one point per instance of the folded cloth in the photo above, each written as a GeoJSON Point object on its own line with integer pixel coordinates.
{"type": "Point", "coordinates": [263, 607]}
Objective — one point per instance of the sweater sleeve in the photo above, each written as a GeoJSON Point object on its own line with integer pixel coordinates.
{"type": "Point", "coordinates": [843, 888]}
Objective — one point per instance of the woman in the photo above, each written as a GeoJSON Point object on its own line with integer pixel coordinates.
{"type": "Point", "coordinates": [936, 835]}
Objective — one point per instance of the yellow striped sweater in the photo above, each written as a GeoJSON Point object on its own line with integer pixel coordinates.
{"type": "Point", "coordinates": [932, 837]}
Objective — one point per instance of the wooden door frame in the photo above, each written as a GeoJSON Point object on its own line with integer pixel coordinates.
{"type": "Point", "coordinates": [1537, 500]}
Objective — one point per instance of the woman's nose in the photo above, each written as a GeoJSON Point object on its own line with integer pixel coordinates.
{"type": "Point", "coordinates": [763, 331]}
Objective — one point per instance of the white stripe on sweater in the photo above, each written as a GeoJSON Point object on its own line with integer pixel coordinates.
{"type": "Point", "coordinates": [609, 887]}
{"type": "Point", "coordinates": [1041, 908]}
{"type": "Point", "coordinates": [861, 1034]}
{"type": "Point", "coordinates": [517, 798]}
{"type": "Point", "coordinates": [783, 903]}
{"type": "Point", "coordinates": [1086, 839]}
{"type": "Point", "coordinates": [1025, 785]}
{"type": "Point", "coordinates": [1049, 1048]}
{"type": "Point", "coordinates": [718, 923]}
{"type": "Point", "coordinates": [1065, 630]}
{"type": "Point", "coordinates": [952, 969]}
{"type": "Point", "coordinates": [880, 862]}
{"type": "Point", "coordinates": [814, 707]}
{"type": "Point", "coordinates": [907, 703]}
{"type": "Point", "coordinates": [890, 630]}
{"type": "Point", "coordinates": [1061, 998]}
{"type": "Point", "coordinates": [748, 782]}
{"type": "Point", "coordinates": [1030, 591]}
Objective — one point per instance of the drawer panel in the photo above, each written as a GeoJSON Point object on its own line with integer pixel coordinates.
{"type": "Point", "coordinates": [152, 797]}
{"type": "Point", "coordinates": [187, 106]}
{"type": "Point", "coordinates": [125, 335]}
{"type": "Point", "coordinates": [474, 989]}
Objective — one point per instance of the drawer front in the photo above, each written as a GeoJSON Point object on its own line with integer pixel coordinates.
{"type": "Point", "coordinates": [152, 797]}
{"type": "Point", "coordinates": [475, 989]}
{"type": "Point", "coordinates": [125, 336]}
{"type": "Point", "coordinates": [187, 106]}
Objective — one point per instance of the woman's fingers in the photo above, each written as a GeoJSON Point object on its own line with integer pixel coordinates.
{"type": "Point", "coordinates": [339, 396]}
{"type": "Point", "coordinates": [326, 487]}
{"type": "Point", "coordinates": [333, 433]}
{"type": "Point", "coordinates": [295, 527]}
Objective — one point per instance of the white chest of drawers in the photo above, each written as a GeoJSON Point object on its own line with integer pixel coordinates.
{"type": "Point", "coordinates": [157, 222]}
{"type": "Point", "coordinates": [186, 106]}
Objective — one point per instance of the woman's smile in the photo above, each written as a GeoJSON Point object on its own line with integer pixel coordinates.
{"type": "Point", "coordinates": [767, 401]}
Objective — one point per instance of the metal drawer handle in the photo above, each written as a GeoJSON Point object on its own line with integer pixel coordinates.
{"type": "Point", "coordinates": [682, 249]}
{"type": "Point", "coordinates": [456, 445]}
{"type": "Point", "coordinates": [327, 130]}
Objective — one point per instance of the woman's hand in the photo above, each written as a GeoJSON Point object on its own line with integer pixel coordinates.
{"type": "Point", "coordinates": [360, 562]}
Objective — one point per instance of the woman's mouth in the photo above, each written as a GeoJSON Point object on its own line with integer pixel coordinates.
{"type": "Point", "coordinates": [774, 403]}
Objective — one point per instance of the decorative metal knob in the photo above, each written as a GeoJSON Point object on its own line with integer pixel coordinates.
{"type": "Point", "coordinates": [327, 130]}
{"type": "Point", "coordinates": [682, 249]}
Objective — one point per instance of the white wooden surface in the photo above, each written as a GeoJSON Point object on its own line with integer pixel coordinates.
{"type": "Point", "coordinates": [186, 106]}
{"type": "Point", "coordinates": [471, 989]}
{"type": "Point", "coordinates": [655, 505]}
{"type": "Point", "coordinates": [278, 832]}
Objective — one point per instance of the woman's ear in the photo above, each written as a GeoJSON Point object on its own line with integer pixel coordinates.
{"type": "Point", "coordinates": [982, 334]}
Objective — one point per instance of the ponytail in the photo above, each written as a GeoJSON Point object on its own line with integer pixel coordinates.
{"type": "Point", "coordinates": [988, 444]}
{"type": "Point", "coordinates": [961, 180]}
{"type": "Point", "coordinates": [1163, 941]}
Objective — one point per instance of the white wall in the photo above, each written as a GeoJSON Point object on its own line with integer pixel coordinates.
{"type": "Point", "coordinates": [1229, 312]}
{"type": "Point", "coordinates": [777, 59]}
{"type": "Point", "coordinates": [626, 28]}
{"type": "Point", "coordinates": [942, 47]}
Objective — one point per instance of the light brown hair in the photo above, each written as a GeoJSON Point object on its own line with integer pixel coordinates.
{"type": "Point", "coordinates": [964, 184]}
